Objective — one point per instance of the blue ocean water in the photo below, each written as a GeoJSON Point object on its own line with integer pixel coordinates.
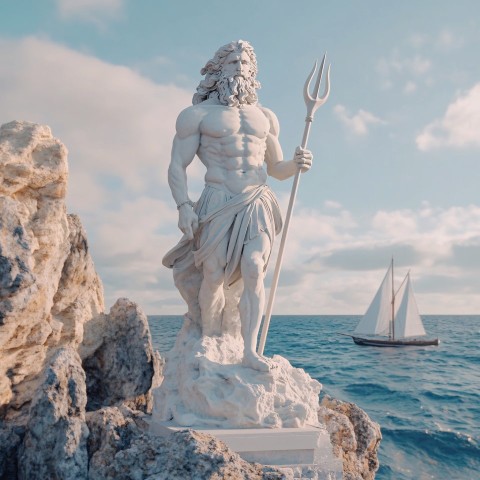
{"type": "Point", "coordinates": [426, 399]}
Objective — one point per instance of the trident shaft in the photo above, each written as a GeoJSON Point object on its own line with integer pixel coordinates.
{"type": "Point", "coordinates": [313, 102]}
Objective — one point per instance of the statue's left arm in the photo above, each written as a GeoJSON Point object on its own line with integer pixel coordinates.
{"type": "Point", "coordinates": [277, 167]}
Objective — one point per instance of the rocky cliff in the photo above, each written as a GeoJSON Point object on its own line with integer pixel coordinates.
{"type": "Point", "coordinates": [76, 381]}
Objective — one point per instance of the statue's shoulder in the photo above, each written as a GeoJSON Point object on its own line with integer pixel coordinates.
{"type": "Point", "coordinates": [272, 118]}
{"type": "Point", "coordinates": [189, 120]}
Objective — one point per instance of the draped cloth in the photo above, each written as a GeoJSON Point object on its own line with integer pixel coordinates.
{"type": "Point", "coordinates": [241, 217]}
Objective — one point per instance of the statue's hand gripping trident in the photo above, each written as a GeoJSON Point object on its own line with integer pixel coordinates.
{"type": "Point", "coordinates": [313, 102]}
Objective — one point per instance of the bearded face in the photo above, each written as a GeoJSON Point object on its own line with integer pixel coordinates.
{"type": "Point", "coordinates": [236, 91]}
{"type": "Point", "coordinates": [230, 77]}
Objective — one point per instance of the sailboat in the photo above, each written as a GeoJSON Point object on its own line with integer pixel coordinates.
{"type": "Point", "coordinates": [392, 319]}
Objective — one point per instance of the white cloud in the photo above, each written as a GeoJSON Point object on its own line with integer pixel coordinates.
{"type": "Point", "coordinates": [332, 204]}
{"type": "Point", "coordinates": [401, 222]}
{"type": "Point", "coordinates": [416, 65]}
{"type": "Point", "coordinates": [458, 128]}
{"type": "Point", "coordinates": [334, 263]}
{"type": "Point", "coordinates": [90, 10]}
{"type": "Point", "coordinates": [418, 40]}
{"type": "Point", "coordinates": [410, 87]}
{"type": "Point", "coordinates": [129, 245]}
{"type": "Point", "coordinates": [117, 125]}
{"type": "Point", "coordinates": [358, 123]}
{"type": "Point", "coordinates": [445, 40]}
{"type": "Point", "coordinates": [398, 69]}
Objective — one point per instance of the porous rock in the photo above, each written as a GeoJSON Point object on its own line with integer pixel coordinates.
{"type": "Point", "coordinates": [122, 449]}
{"type": "Point", "coordinates": [79, 296]}
{"type": "Point", "coordinates": [119, 360]}
{"type": "Point", "coordinates": [33, 247]}
{"type": "Point", "coordinates": [355, 437]}
{"type": "Point", "coordinates": [48, 289]}
{"type": "Point", "coordinates": [49, 294]}
{"type": "Point", "coordinates": [11, 438]}
{"type": "Point", "coordinates": [55, 443]}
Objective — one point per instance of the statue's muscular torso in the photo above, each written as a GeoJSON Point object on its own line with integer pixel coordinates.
{"type": "Point", "coordinates": [232, 143]}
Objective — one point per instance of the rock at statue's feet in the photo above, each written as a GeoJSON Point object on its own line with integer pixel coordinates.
{"type": "Point", "coordinates": [252, 360]}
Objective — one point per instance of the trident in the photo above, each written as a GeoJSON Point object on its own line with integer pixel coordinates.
{"type": "Point", "coordinates": [313, 102]}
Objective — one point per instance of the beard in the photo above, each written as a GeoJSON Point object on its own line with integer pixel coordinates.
{"type": "Point", "coordinates": [237, 91]}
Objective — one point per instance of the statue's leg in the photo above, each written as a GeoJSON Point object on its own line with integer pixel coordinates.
{"type": "Point", "coordinates": [252, 301]}
{"type": "Point", "coordinates": [211, 297]}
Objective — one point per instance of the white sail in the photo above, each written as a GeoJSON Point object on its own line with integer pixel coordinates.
{"type": "Point", "coordinates": [376, 320]}
{"type": "Point", "coordinates": [408, 322]}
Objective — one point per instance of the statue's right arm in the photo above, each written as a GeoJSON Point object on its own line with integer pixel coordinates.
{"type": "Point", "coordinates": [185, 146]}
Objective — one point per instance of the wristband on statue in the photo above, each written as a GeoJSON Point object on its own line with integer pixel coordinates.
{"type": "Point", "coordinates": [187, 202]}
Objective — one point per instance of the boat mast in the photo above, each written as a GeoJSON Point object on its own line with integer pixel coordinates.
{"type": "Point", "coordinates": [393, 308]}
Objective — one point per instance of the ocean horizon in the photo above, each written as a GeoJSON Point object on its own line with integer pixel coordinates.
{"type": "Point", "coordinates": [425, 399]}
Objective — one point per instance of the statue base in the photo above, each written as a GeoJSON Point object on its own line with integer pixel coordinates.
{"type": "Point", "coordinates": [300, 452]}
{"type": "Point", "coordinates": [205, 383]}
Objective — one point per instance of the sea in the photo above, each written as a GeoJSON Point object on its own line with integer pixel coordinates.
{"type": "Point", "coordinates": [425, 399]}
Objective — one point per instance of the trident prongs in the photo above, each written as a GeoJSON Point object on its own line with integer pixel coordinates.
{"type": "Point", "coordinates": [314, 101]}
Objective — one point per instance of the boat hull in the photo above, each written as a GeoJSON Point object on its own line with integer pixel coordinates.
{"type": "Point", "coordinates": [373, 342]}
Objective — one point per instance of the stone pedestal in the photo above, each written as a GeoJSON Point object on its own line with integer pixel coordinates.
{"type": "Point", "coordinates": [301, 452]}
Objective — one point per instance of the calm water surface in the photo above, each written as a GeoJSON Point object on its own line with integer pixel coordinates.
{"type": "Point", "coordinates": [426, 399]}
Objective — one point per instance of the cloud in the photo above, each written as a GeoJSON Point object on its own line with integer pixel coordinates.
{"type": "Point", "coordinates": [334, 262]}
{"type": "Point", "coordinates": [444, 41]}
{"type": "Point", "coordinates": [366, 258]}
{"type": "Point", "coordinates": [332, 204]}
{"type": "Point", "coordinates": [459, 126]}
{"type": "Point", "coordinates": [406, 70]}
{"type": "Point", "coordinates": [117, 125]}
{"type": "Point", "coordinates": [418, 40]}
{"type": "Point", "coordinates": [95, 11]}
{"type": "Point", "coordinates": [358, 123]}
{"type": "Point", "coordinates": [410, 87]}
{"type": "Point", "coordinates": [447, 40]}
{"type": "Point", "coordinates": [129, 246]}
{"type": "Point", "coordinates": [402, 222]}
{"type": "Point", "coordinates": [416, 65]}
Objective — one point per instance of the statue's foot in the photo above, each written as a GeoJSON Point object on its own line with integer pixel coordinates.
{"type": "Point", "coordinates": [252, 360]}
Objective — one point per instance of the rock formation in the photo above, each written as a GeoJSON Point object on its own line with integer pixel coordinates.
{"type": "Point", "coordinates": [121, 448]}
{"type": "Point", "coordinates": [75, 381]}
{"type": "Point", "coordinates": [56, 342]}
{"type": "Point", "coordinates": [118, 358]}
{"type": "Point", "coordinates": [55, 443]}
{"type": "Point", "coordinates": [355, 438]}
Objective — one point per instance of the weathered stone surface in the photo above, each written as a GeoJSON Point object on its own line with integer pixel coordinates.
{"type": "Point", "coordinates": [355, 437]}
{"type": "Point", "coordinates": [121, 449]}
{"type": "Point", "coordinates": [55, 444]}
{"type": "Point", "coordinates": [33, 248]}
{"type": "Point", "coordinates": [79, 296]}
{"type": "Point", "coordinates": [119, 360]}
{"type": "Point", "coordinates": [10, 441]}
{"type": "Point", "coordinates": [48, 285]}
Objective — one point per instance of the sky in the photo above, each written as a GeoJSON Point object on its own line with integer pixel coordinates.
{"type": "Point", "coordinates": [396, 147]}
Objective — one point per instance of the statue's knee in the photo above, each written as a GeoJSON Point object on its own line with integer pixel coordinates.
{"type": "Point", "coordinates": [253, 269]}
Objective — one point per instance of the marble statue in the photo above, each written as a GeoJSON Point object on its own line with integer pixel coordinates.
{"type": "Point", "coordinates": [229, 231]}
{"type": "Point", "coordinates": [214, 376]}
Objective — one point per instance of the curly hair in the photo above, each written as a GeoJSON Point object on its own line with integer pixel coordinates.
{"type": "Point", "coordinates": [212, 70]}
